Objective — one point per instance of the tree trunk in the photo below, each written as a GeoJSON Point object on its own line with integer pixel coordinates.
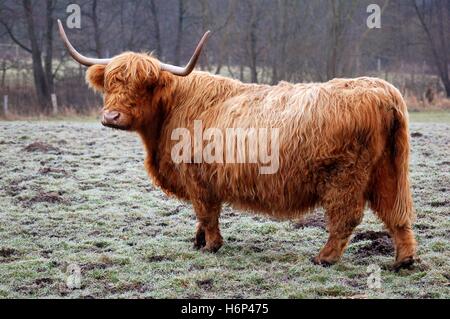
{"type": "Point", "coordinates": [155, 19]}
{"type": "Point", "coordinates": [335, 29]}
{"type": "Point", "coordinates": [97, 38]}
{"type": "Point", "coordinates": [252, 44]}
{"type": "Point", "coordinates": [179, 32]}
{"type": "Point", "coordinates": [443, 33]}
{"type": "Point", "coordinates": [446, 81]}
{"type": "Point", "coordinates": [437, 42]}
{"type": "Point", "coordinates": [40, 81]}
{"type": "Point", "coordinates": [253, 62]}
{"type": "Point", "coordinates": [49, 45]}
{"type": "Point", "coordinates": [4, 69]}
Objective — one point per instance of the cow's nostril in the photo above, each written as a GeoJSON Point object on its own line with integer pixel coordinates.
{"type": "Point", "coordinates": [111, 116]}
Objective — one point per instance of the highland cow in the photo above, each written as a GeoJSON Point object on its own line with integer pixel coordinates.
{"type": "Point", "coordinates": [342, 144]}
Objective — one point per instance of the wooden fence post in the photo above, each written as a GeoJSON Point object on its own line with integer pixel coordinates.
{"type": "Point", "coordinates": [54, 104]}
{"type": "Point", "coordinates": [5, 105]}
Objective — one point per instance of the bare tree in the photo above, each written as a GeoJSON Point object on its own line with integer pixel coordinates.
{"type": "Point", "coordinates": [434, 19]}
{"type": "Point", "coordinates": [251, 38]}
{"type": "Point", "coordinates": [97, 35]}
{"type": "Point", "coordinates": [156, 28]}
{"type": "Point", "coordinates": [341, 14]}
{"type": "Point", "coordinates": [180, 25]}
{"type": "Point", "coordinates": [48, 62]}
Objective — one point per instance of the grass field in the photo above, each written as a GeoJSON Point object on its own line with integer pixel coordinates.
{"type": "Point", "coordinates": [75, 193]}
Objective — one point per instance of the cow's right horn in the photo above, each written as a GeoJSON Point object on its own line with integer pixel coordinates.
{"type": "Point", "coordinates": [177, 70]}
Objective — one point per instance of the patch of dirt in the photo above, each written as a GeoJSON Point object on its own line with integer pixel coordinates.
{"type": "Point", "coordinates": [7, 252]}
{"type": "Point", "coordinates": [416, 134]}
{"type": "Point", "coordinates": [41, 147]}
{"type": "Point", "coordinates": [256, 249]}
{"type": "Point", "coordinates": [49, 170]}
{"type": "Point", "coordinates": [46, 253]}
{"type": "Point", "coordinates": [13, 189]}
{"type": "Point", "coordinates": [63, 290]}
{"type": "Point", "coordinates": [423, 226]}
{"type": "Point", "coordinates": [314, 220]}
{"type": "Point", "coordinates": [101, 244]}
{"type": "Point", "coordinates": [35, 286]}
{"type": "Point", "coordinates": [370, 235]}
{"type": "Point", "coordinates": [381, 244]}
{"type": "Point", "coordinates": [117, 171]}
{"type": "Point", "coordinates": [157, 258]}
{"type": "Point", "coordinates": [91, 266]}
{"type": "Point", "coordinates": [206, 284]}
{"type": "Point", "coordinates": [439, 204]}
{"type": "Point", "coordinates": [43, 281]}
{"type": "Point", "coordinates": [196, 267]}
{"type": "Point", "coordinates": [138, 287]}
{"type": "Point", "coordinates": [233, 239]}
{"type": "Point", "coordinates": [47, 197]}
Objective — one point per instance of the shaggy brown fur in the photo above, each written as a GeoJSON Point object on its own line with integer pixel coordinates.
{"type": "Point", "coordinates": [343, 144]}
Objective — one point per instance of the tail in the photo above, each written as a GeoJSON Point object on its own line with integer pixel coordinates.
{"type": "Point", "coordinates": [402, 211]}
{"type": "Point", "coordinates": [390, 193]}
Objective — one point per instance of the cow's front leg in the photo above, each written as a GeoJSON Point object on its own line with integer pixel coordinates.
{"type": "Point", "coordinates": [207, 237]}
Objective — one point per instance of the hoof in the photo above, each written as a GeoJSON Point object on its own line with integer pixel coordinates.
{"type": "Point", "coordinates": [200, 241]}
{"type": "Point", "coordinates": [406, 263]}
{"type": "Point", "coordinates": [211, 248]}
{"type": "Point", "coordinates": [324, 263]}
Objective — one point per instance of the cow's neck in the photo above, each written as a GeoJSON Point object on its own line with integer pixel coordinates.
{"type": "Point", "coordinates": [150, 133]}
{"type": "Point", "coordinates": [161, 173]}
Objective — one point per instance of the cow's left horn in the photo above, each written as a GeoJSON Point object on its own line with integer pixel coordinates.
{"type": "Point", "coordinates": [177, 70]}
{"type": "Point", "coordinates": [75, 54]}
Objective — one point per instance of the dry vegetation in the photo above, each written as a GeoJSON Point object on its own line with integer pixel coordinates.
{"type": "Point", "coordinates": [76, 193]}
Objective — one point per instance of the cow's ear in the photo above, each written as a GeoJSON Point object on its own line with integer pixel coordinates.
{"type": "Point", "coordinates": [95, 77]}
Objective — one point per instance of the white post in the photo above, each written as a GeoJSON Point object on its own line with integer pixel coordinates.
{"type": "Point", "coordinates": [379, 65]}
{"type": "Point", "coordinates": [5, 105]}
{"type": "Point", "coordinates": [54, 104]}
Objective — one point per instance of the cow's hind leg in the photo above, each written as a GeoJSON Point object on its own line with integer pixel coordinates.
{"type": "Point", "coordinates": [208, 237]}
{"type": "Point", "coordinates": [405, 246]}
{"type": "Point", "coordinates": [403, 238]}
{"type": "Point", "coordinates": [382, 200]}
{"type": "Point", "coordinates": [344, 203]}
{"type": "Point", "coordinates": [341, 221]}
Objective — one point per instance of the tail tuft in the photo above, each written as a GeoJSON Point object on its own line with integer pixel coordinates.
{"type": "Point", "coordinates": [402, 212]}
